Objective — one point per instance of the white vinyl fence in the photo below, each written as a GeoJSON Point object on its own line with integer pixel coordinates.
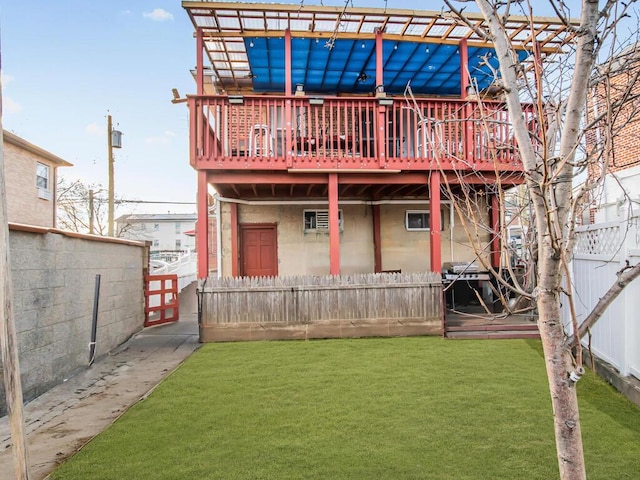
{"type": "Point", "coordinates": [601, 251]}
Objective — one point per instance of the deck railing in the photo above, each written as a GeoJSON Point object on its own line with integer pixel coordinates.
{"type": "Point", "coordinates": [278, 132]}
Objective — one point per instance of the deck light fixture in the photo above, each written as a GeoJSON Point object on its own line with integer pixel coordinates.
{"type": "Point", "coordinates": [236, 100]}
{"type": "Point", "coordinates": [299, 89]}
{"type": "Point", "coordinates": [385, 101]}
{"type": "Point", "coordinates": [316, 101]}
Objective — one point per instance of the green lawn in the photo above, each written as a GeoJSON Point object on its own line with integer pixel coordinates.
{"type": "Point", "coordinates": [400, 408]}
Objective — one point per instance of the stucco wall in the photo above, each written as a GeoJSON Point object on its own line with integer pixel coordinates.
{"type": "Point", "coordinates": [301, 253]}
{"type": "Point", "coordinates": [23, 204]}
{"type": "Point", "coordinates": [53, 289]}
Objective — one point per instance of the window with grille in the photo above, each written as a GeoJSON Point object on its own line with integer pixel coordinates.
{"type": "Point", "coordinates": [318, 220]}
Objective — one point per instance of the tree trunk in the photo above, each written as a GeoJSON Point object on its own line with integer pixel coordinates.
{"type": "Point", "coordinates": [564, 399]}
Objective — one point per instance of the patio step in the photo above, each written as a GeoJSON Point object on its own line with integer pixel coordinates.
{"type": "Point", "coordinates": [493, 331]}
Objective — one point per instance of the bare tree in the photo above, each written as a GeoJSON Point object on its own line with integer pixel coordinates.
{"type": "Point", "coordinates": [550, 116]}
{"type": "Point", "coordinates": [83, 208]}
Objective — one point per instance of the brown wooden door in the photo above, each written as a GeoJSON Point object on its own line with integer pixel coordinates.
{"type": "Point", "coordinates": [259, 250]}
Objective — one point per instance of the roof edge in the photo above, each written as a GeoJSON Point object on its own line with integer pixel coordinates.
{"type": "Point", "coordinates": [30, 147]}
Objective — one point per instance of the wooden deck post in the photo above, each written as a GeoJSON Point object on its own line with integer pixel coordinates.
{"type": "Point", "coordinates": [202, 228]}
{"type": "Point", "coordinates": [288, 90]}
{"type": "Point", "coordinates": [199, 62]}
{"type": "Point", "coordinates": [467, 132]}
{"type": "Point", "coordinates": [434, 222]}
{"type": "Point", "coordinates": [334, 226]}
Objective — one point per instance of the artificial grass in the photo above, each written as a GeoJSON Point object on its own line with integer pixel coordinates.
{"type": "Point", "coordinates": [398, 408]}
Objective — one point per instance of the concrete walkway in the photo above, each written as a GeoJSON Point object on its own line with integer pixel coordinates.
{"type": "Point", "coordinates": [65, 418]}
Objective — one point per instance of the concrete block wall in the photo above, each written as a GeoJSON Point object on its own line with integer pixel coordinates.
{"type": "Point", "coordinates": [53, 277]}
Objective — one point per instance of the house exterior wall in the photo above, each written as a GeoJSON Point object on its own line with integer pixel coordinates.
{"type": "Point", "coordinates": [307, 253]}
{"type": "Point", "coordinates": [53, 289]}
{"type": "Point", "coordinates": [23, 204]}
{"type": "Point", "coordinates": [618, 197]}
{"type": "Point", "coordinates": [162, 233]}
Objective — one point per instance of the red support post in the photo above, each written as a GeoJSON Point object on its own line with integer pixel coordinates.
{"type": "Point", "coordinates": [234, 239]}
{"type": "Point", "coordinates": [288, 108]}
{"type": "Point", "coordinates": [334, 226]}
{"type": "Point", "coordinates": [495, 231]}
{"type": "Point", "coordinates": [464, 84]}
{"type": "Point", "coordinates": [199, 62]}
{"type": "Point", "coordinates": [379, 56]}
{"type": "Point", "coordinates": [435, 247]}
{"type": "Point", "coordinates": [202, 227]}
{"type": "Point", "coordinates": [464, 68]}
{"type": "Point", "coordinates": [377, 246]}
{"type": "Point", "coordinates": [287, 63]}
{"type": "Point", "coordinates": [382, 110]}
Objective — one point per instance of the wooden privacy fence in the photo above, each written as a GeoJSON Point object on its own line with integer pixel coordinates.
{"type": "Point", "coordinates": [383, 304]}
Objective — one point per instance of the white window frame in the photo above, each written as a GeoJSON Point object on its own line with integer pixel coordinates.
{"type": "Point", "coordinates": [322, 223]}
{"type": "Point", "coordinates": [422, 212]}
{"type": "Point", "coordinates": [44, 192]}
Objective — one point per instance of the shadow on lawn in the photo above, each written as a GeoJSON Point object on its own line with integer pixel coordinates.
{"type": "Point", "coordinates": [600, 395]}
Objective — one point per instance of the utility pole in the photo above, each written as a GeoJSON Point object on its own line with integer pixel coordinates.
{"type": "Point", "coordinates": [114, 140]}
{"type": "Point", "coordinates": [8, 337]}
{"type": "Point", "coordinates": [111, 187]}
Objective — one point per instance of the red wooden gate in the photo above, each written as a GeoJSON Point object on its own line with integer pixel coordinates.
{"type": "Point", "coordinates": [160, 299]}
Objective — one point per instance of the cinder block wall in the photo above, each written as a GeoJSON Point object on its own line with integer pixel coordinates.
{"type": "Point", "coordinates": [53, 290]}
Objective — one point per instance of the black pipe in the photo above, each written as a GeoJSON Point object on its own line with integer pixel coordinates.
{"type": "Point", "coordinates": [94, 323]}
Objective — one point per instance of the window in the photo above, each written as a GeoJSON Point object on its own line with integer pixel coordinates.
{"type": "Point", "coordinates": [42, 176]}
{"type": "Point", "coordinates": [178, 227]}
{"type": "Point", "coordinates": [42, 181]}
{"type": "Point", "coordinates": [418, 220]}
{"type": "Point", "coordinates": [178, 244]}
{"type": "Point", "coordinates": [156, 243]}
{"type": "Point", "coordinates": [156, 226]}
{"type": "Point", "coordinates": [318, 220]}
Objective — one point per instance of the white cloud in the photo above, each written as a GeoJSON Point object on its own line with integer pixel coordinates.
{"type": "Point", "coordinates": [169, 133]}
{"type": "Point", "coordinates": [93, 129]}
{"type": "Point", "coordinates": [158, 15]}
{"type": "Point", "coordinates": [6, 79]}
{"type": "Point", "coordinates": [11, 106]}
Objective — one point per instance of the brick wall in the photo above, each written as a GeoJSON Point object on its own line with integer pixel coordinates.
{"type": "Point", "coordinates": [23, 204]}
{"type": "Point", "coordinates": [53, 290]}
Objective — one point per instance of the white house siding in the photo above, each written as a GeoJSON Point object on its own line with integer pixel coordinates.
{"type": "Point", "coordinates": [160, 230]}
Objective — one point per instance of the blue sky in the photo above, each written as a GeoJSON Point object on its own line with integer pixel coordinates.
{"type": "Point", "coordinates": [66, 64]}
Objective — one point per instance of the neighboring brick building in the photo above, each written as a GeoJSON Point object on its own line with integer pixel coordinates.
{"type": "Point", "coordinates": [619, 194]}
{"type": "Point", "coordinates": [30, 180]}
